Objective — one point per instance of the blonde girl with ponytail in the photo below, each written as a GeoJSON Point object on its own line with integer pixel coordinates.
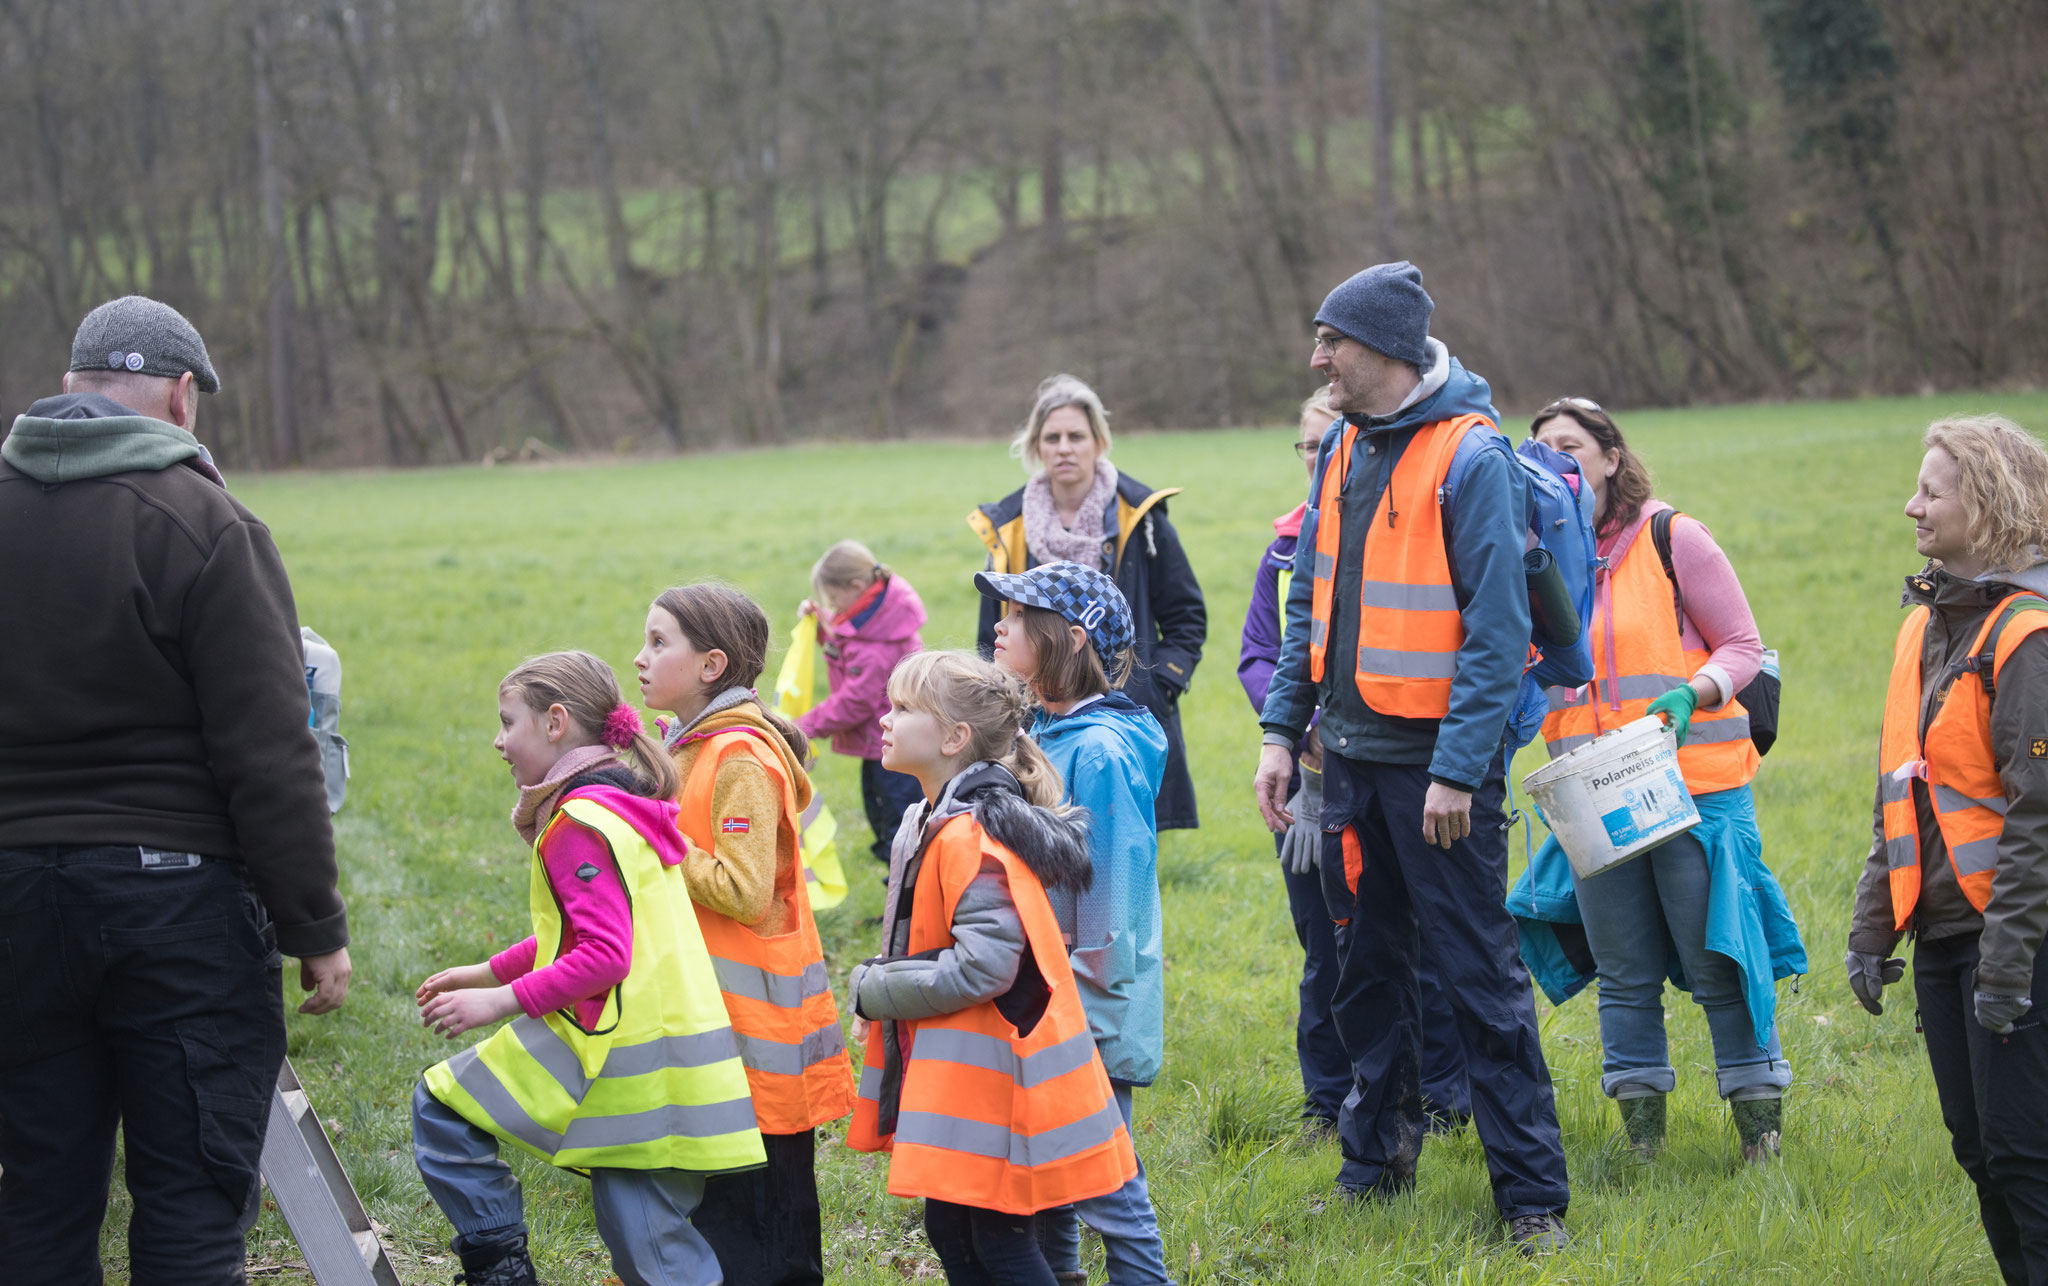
{"type": "Point", "coordinates": [740, 794]}
{"type": "Point", "coordinates": [978, 1053]}
{"type": "Point", "coordinates": [615, 974]}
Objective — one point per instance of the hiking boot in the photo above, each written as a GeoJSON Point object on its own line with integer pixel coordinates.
{"type": "Point", "coordinates": [1758, 1121]}
{"type": "Point", "coordinates": [1541, 1234]}
{"type": "Point", "coordinates": [1642, 1119]}
{"type": "Point", "coordinates": [495, 1263]}
{"type": "Point", "coordinates": [1071, 1279]}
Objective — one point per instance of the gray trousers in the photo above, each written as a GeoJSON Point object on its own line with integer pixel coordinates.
{"type": "Point", "coordinates": [643, 1216]}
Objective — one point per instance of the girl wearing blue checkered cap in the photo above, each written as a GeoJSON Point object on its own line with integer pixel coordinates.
{"type": "Point", "coordinates": [1066, 630]}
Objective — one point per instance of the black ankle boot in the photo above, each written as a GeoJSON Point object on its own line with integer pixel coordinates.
{"type": "Point", "coordinates": [495, 1263]}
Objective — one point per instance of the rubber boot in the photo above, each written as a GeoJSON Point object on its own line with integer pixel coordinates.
{"type": "Point", "coordinates": [1642, 1117]}
{"type": "Point", "coordinates": [496, 1262]}
{"type": "Point", "coordinates": [1758, 1121]}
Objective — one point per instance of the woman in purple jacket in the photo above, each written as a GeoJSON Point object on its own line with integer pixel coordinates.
{"type": "Point", "coordinates": [868, 620]}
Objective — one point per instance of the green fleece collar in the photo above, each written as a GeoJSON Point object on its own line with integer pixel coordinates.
{"type": "Point", "coordinates": [71, 450]}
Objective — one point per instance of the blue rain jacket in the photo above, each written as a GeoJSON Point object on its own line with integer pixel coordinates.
{"type": "Point", "coordinates": [1112, 754]}
{"type": "Point", "coordinates": [1747, 918]}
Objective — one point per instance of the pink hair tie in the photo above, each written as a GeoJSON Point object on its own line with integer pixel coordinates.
{"type": "Point", "coordinates": [621, 726]}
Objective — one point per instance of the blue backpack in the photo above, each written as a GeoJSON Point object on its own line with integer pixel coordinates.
{"type": "Point", "coordinates": [1560, 564]}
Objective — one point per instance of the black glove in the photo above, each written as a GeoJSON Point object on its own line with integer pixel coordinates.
{"type": "Point", "coordinates": [1870, 974]}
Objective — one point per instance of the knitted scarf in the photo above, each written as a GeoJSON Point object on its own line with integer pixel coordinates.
{"type": "Point", "coordinates": [536, 806]}
{"type": "Point", "coordinates": [1051, 541]}
{"type": "Point", "coordinates": [673, 731]}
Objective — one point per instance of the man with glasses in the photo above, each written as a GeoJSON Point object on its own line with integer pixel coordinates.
{"type": "Point", "coordinates": [1408, 624]}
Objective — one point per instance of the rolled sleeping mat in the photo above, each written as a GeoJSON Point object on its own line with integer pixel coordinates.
{"type": "Point", "coordinates": [1553, 617]}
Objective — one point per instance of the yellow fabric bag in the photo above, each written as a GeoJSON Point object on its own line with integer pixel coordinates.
{"type": "Point", "coordinates": [796, 689]}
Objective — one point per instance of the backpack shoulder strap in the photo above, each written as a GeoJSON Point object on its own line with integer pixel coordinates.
{"type": "Point", "coordinates": [1660, 536]}
{"type": "Point", "coordinates": [1985, 663]}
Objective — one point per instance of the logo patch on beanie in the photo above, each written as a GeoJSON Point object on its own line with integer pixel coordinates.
{"type": "Point", "coordinates": [735, 826]}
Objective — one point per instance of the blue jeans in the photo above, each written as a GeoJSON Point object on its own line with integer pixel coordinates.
{"type": "Point", "coordinates": [643, 1216]}
{"type": "Point", "coordinates": [1638, 916]}
{"type": "Point", "coordinates": [1125, 1220]}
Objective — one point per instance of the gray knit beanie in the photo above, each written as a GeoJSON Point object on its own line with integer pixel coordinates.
{"type": "Point", "coordinates": [1386, 309]}
{"type": "Point", "coordinates": [136, 333]}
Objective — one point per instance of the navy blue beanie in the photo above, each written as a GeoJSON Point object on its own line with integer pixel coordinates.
{"type": "Point", "coordinates": [1386, 309]}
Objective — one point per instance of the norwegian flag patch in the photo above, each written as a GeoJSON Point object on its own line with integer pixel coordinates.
{"type": "Point", "coordinates": [735, 826]}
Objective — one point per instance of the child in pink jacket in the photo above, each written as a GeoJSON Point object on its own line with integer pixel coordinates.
{"type": "Point", "coordinates": [868, 618]}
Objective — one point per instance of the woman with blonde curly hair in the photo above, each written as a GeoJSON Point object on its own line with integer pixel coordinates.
{"type": "Point", "coordinates": [1959, 855]}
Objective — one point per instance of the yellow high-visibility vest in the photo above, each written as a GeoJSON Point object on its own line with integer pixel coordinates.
{"type": "Point", "coordinates": [657, 1083]}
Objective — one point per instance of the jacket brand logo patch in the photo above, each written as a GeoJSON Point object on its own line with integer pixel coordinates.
{"type": "Point", "coordinates": [735, 826]}
{"type": "Point", "coordinates": [2038, 748]}
{"type": "Point", "coordinates": [586, 872]}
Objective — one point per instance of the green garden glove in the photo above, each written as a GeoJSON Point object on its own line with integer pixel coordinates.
{"type": "Point", "coordinates": [1677, 706]}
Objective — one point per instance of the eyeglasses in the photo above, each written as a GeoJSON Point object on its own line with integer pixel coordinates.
{"type": "Point", "coordinates": [1328, 343]}
{"type": "Point", "coordinates": [1582, 403]}
{"type": "Point", "coordinates": [1306, 449]}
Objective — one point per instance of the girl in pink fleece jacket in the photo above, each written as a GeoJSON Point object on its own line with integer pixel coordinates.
{"type": "Point", "coordinates": [868, 620]}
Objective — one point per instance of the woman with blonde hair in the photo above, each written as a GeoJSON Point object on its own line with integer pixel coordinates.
{"type": "Point", "coordinates": [1959, 852]}
{"type": "Point", "coordinates": [1077, 507]}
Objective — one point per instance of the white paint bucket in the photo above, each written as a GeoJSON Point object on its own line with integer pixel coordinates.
{"type": "Point", "coordinates": [1615, 796]}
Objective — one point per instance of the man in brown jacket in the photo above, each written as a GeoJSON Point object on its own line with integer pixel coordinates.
{"type": "Point", "coordinates": [164, 835]}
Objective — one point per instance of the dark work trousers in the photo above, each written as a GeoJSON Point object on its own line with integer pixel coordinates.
{"type": "Point", "coordinates": [885, 795]}
{"type": "Point", "coordinates": [1408, 892]}
{"type": "Point", "coordinates": [764, 1224]}
{"type": "Point", "coordinates": [1325, 1070]}
{"type": "Point", "coordinates": [1994, 1100]}
{"type": "Point", "coordinates": [1446, 1098]}
{"type": "Point", "coordinates": [986, 1247]}
{"type": "Point", "coordinates": [139, 988]}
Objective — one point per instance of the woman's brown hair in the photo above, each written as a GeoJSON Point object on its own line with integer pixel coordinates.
{"type": "Point", "coordinates": [716, 617]}
{"type": "Point", "coordinates": [1630, 488]}
{"type": "Point", "coordinates": [847, 565]}
{"type": "Point", "coordinates": [1065, 672]}
{"type": "Point", "coordinates": [959, 687]}
{"type": "Point", "coordinates": [588, 690]}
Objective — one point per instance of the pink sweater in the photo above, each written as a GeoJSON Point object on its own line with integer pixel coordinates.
{"type": "Point", "coordinates": [597, 918]}
{"type": "Point", "coordinates": [1717, 617]}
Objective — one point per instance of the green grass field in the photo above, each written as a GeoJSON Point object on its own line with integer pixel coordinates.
{"type": "Point", "coordinates": [433, 584]}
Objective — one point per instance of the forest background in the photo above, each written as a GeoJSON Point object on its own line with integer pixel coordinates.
{"type": "Point", "coordinates": [434, 230]}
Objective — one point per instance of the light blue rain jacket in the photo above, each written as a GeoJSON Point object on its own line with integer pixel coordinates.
{"type": "Point", "coordinates": [1112, 753]}
{"type": "Point", "coordinates": [1747, 918]}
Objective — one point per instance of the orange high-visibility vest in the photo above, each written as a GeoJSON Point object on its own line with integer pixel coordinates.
{"type": "Point", "coordinates": [989, 1117]}
{"type": "Point", "coordinates": [1955, 760]}
{"type": "Point", "coordinates": [775, 988]}
{"type": "Point", "coordinates": [1409, 630]}
{"type": "Point", "coordinates": [1648, 660]}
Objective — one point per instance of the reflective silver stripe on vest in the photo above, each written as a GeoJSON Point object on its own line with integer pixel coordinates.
{"type": "Point", "coordinates": [1715, 731]}
{"type": "Point", "coordinates": [1407, 665]}
{"type": "Point", "coordinates": [1902, 852]}
{"type": "Point", "coordinates": [699, 1049]}
{"type": "Point", "coordinates": [791, 1059]}
{"type": "Point", "coordinates": [1565, 745]}
{"type": "Point", "coordinates": [482, 1084]}
{"type": "Point", "coordinates": [1947, 799]}
{"type": "Point", "coordinates": [1567, 698]}
{"type": "Point", "coordinates": [669, 1121]}
{"type": "Point", "coordinates": [978, 1138]}
{"type": "Point", "coordinates": [949, 1045]}
{"type": "Point", "coordinates": [1407, 598]}
{"type": "Point", "coordinates": [871, 1082]}
{"type": "Point", "coordinates": [1326, 565]}
{"type": "Point", "coordinates": [1318, 632]}
{"type": "Point", "coordinates": [1975, 857]}
{"type": "Point", "coordinates": [784, 991]}
{"type": "Point", "coordinates": [1890, 790]}
{"type": "Point", "coordinates": [1640, 687]}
